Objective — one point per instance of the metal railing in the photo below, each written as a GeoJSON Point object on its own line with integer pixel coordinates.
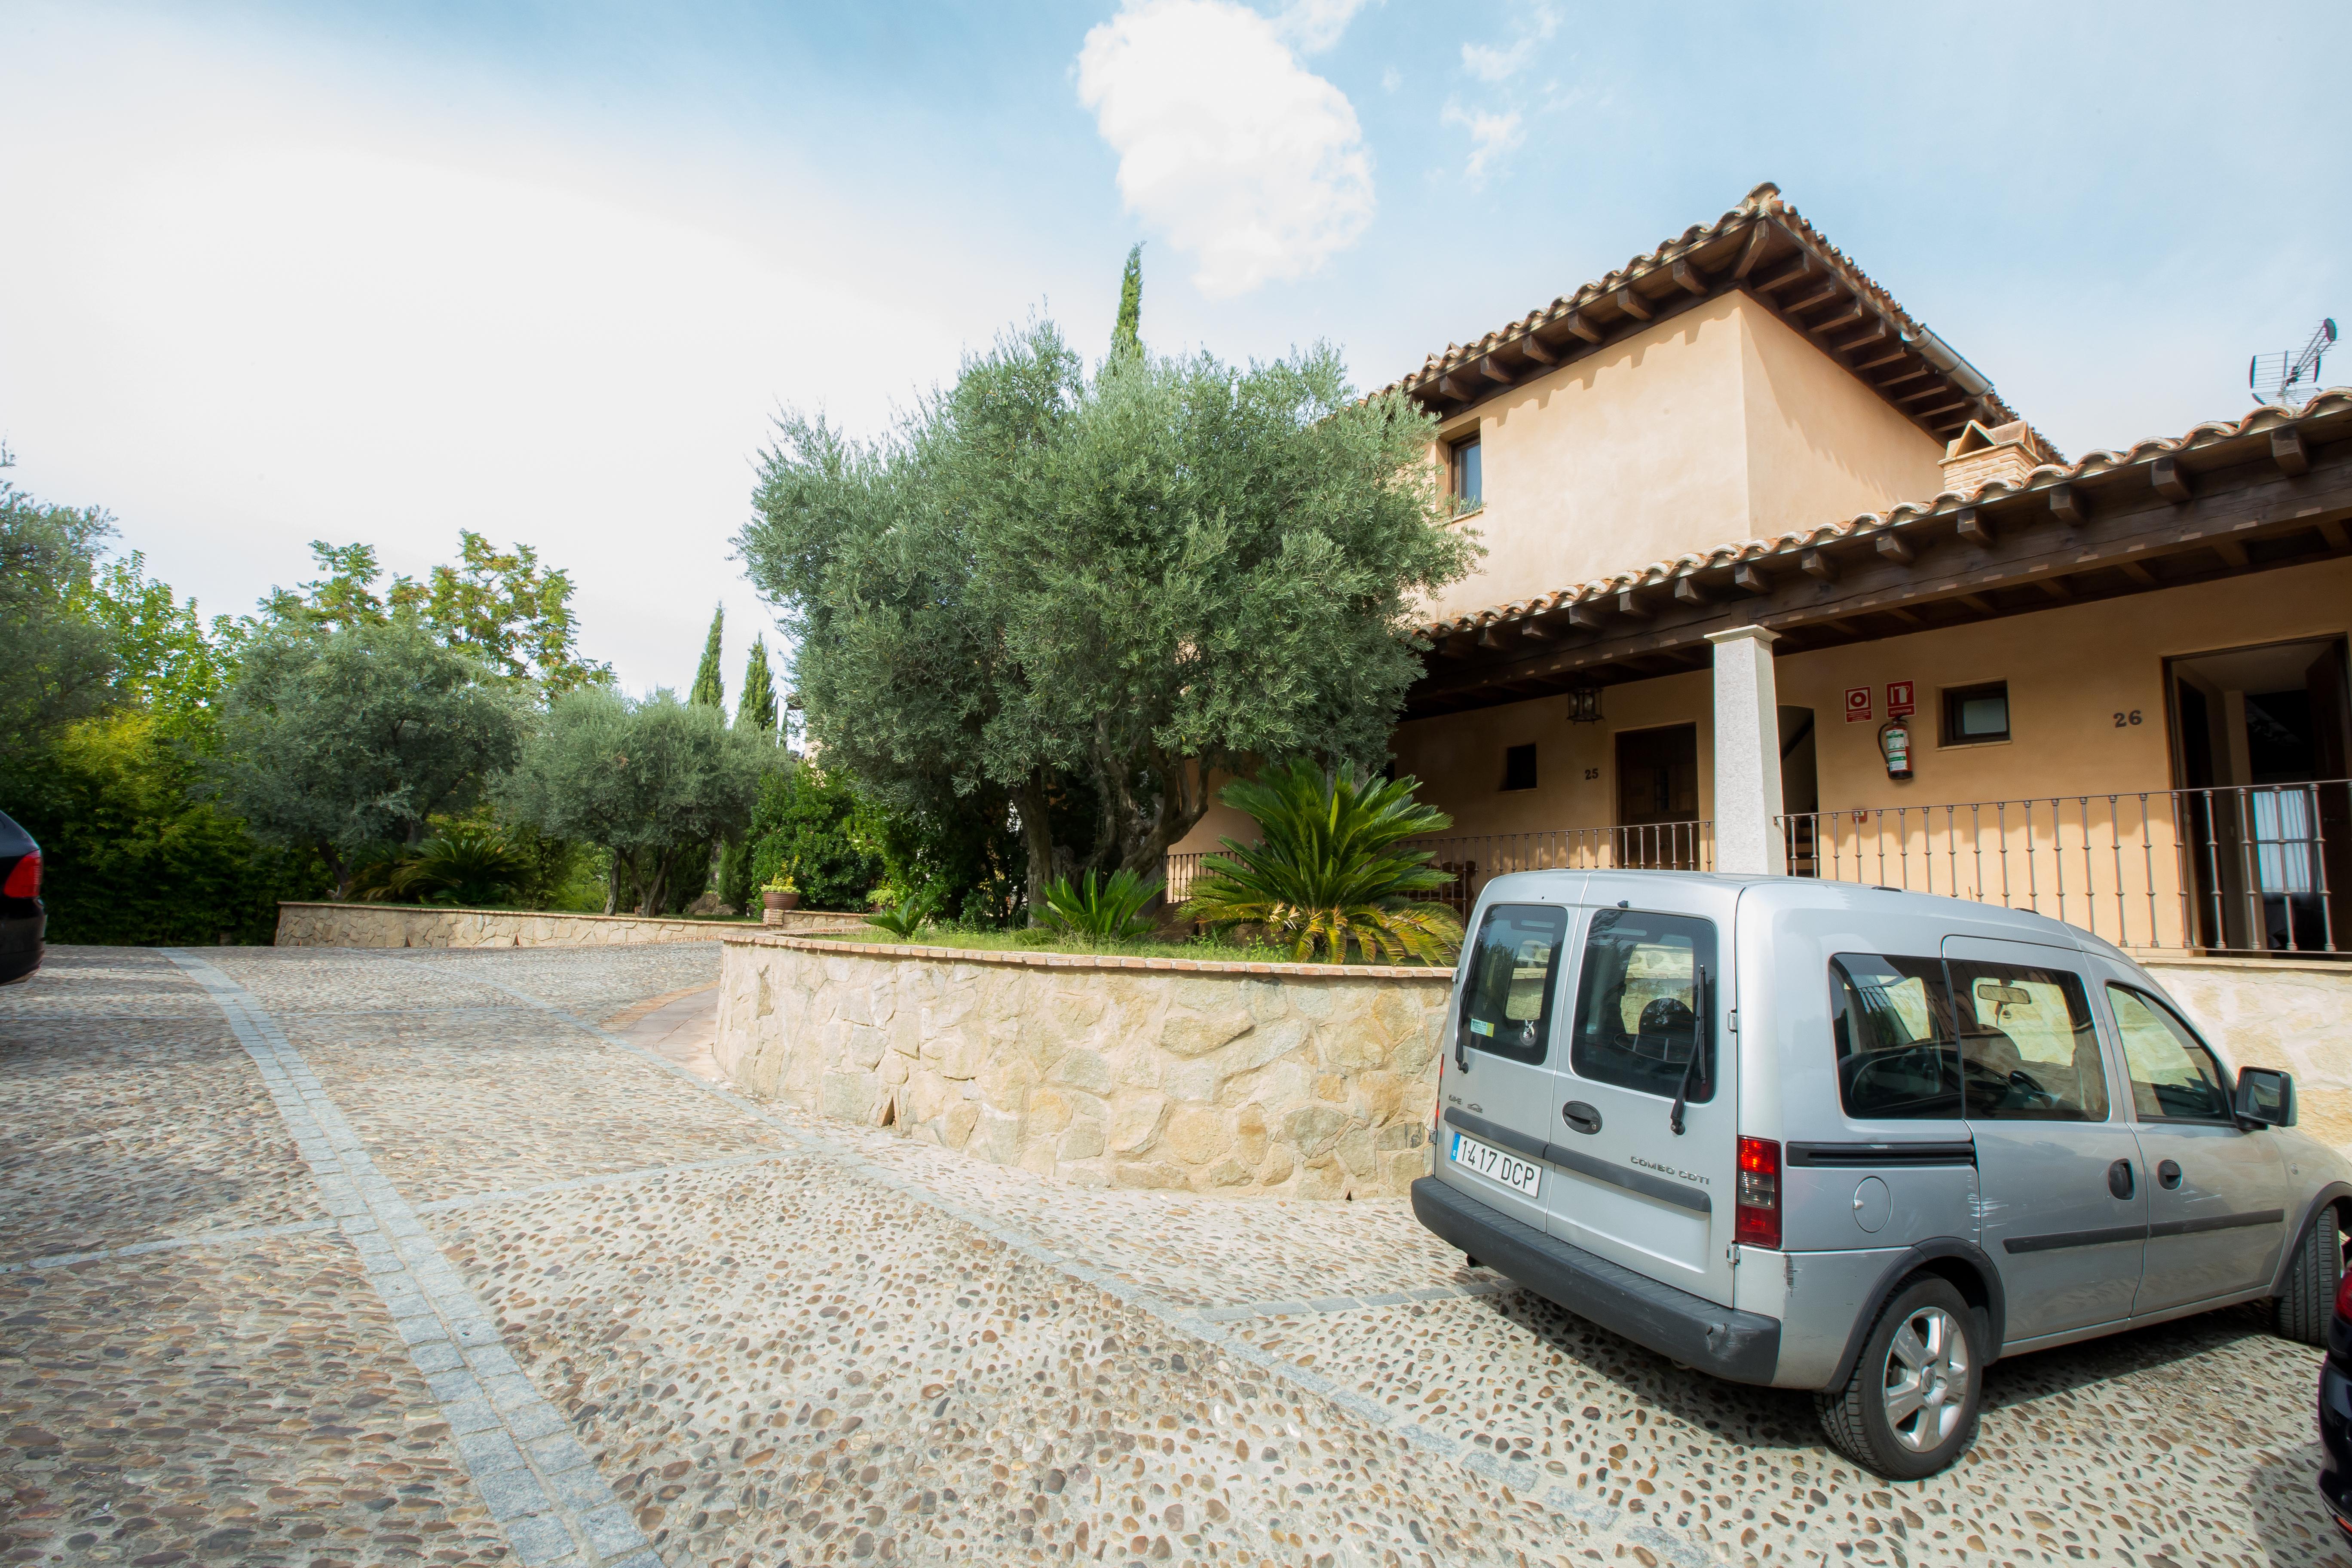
{"type": "Point", "coordinates": [2247, 869]}
{"type": "Point", "coordinates": [1474, 858]}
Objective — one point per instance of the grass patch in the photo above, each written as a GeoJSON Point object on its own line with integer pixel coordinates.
{"type": "Point", "coordinates": [1040, 940]}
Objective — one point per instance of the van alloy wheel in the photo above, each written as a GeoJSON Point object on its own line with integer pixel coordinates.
{"type": "Point", "coordinates": [1909, 1408]}
{"type": "Point", "coordinates": [1927, 1379]}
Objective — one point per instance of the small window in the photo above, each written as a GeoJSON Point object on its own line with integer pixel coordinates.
{"type": "Point", "coordinates": [1892, 1021]}
{"type": "Point", "coordinates": [2173, 1077]}
{"type": "Point", "coordinates": [1469, 486]}
{"type": "Point", "coordinates": [1644, 1004]}
{"type": "Point", "coordinates": [2028, 1051]}
{"type": "Point", "coordinates": [1519, 766]}
{"type": "Point", "coordinates": [1506, 999]}
{"type": "Point", "coordinates": [1976, 713]}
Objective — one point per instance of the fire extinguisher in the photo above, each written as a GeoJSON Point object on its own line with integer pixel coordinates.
{"type": "Point", "coordinates": [1894, 741]}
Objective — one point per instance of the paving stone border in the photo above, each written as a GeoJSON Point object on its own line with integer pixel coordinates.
{"type": "Point", "coordinates": [536, 1479]}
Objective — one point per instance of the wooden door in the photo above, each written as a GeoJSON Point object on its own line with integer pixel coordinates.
{"type": "Point", "coordinates": [1657, 796]}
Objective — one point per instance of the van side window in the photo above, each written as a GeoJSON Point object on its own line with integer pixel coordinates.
{"type": "Point", "coordinates": [1514, 970]}
{"type": "Point", "coordinates": [1638, 1012]}
{"type": "Point", "coordinates": [2173, 1077]}
{"type": "Point", "coordinates": [2028, 1051]}
{"type": "Point", "coordinates": [1892, 1021]}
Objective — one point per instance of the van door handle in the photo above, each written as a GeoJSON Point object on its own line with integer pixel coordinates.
{"type": "Point", "coordinates": [1580, 1116]}
{"type": "Point", "coordinates": [2119, 1178]}
{"type": "Point", "coordinates": [2168, 1175]}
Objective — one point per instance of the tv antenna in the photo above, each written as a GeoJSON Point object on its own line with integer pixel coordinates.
{"type": "Point", "coordinates": [2288, 379]}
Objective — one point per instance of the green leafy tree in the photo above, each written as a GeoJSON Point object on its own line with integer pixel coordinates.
{"type": "Point", "coordinates": [812, 815]}
{"type": "Point", "coordinates": [56, 665]}
{"type": "Point", "coordinates": [1125, 334]}
{"type": "Point", "coordinates": [1331, 869]}
{"type": "Point", "coordinates": [1107, 590]}
{"type": "Point", "coordinates": [756, 709]}
{"type": "Point", "coordinates": [132, 851]}
{"type": "Point", "coordinates": [334, 740]}
{"type": "Point", "coordinates": [710, 685]}
{"type": "Point", "coordinates": [167, 662]}
{"type": "Point", "coordinates": [504, 608]}
{"type": "Point", "coordinates": [655, 781]}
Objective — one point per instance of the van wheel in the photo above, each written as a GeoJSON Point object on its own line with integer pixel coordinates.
{"type": "Point", "coordinates": [1911, 1405]}
{"type": "Point", "coordinates": [2302, 1310]}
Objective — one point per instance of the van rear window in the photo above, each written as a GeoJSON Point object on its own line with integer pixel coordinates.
{"type": "Point", "coordinates": [1897, 1056]}
{"type": "Point", "coordinates": [1506, 998]}
{"type": "Point", "coordinates": [1639, 1010]}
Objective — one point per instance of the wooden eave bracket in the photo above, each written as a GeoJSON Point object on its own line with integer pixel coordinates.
{"type": "Point", "coordinates": [1976, 528]}
{"type": "Point", "coordinates": [2287, 451]}
{"type": "Point", "coordinates": [1688, 592]}
{"type": "Point", "coordinates": [1588, 617]}
{"type": "Point", "coordinates": [1575, 322]}
{"type": "Point", "coordinates": [1493, 371]}
{"type": "Point", "coordinates": [1818, 565]}
{"type": "Point", "coordinates": [1689, 277]}
{"type": "Point", "coordinates": [1538, 351]}
{"type": "Point", "coordinates": [1632, 304]}
{"type": "Point", "coordinates": [1748, 577]}
{"type": "Point", "coordinates": [2068, 505]}
{"type": "Point", "coordinates": [2169, 481]}
{"type": "Point", "coordinates": [1629, 604]}
{"type": "Point", "coordinates": [1759, 234]}
{"type": "Point", "coordinates": [1896, 549]}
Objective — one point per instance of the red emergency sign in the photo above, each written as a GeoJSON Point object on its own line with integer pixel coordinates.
{"type": "Point", "coordinates": [1898, 699]}
{"type": "Point", "coordinates": [1857, 704]}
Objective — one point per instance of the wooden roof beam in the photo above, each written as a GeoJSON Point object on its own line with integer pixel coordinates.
{"type": "Point", "coordinates": [1877, 333]}
{"type": "Point", "coordinates": [1538, 350]}
{"type": "Point", "coordinates": [1798, 270]}
{"type": "Point", "coordinates": [2066, 504]}
{"type": "Point", "coordinates": [1632, 304]}
{"type": "Point", "coordinates": [1688, 592]}
{"type": "Point", "coordinates": [1818, 565]}
{"type": "Point", "coordinates": [2286, 451]}
{"type": "Point", "coordinates": [1853, 314]}
{"type": "Point", "coordinates": [1575, 322]}
{"type": "Point", "coordinates": [1758, 233]}
{"type": "Point", "coordinates": [1896, 549]}
{"type": "Point", "coordinates": [1493, 371]}
{"type": "Point", "coordinates": [2169, 481]}
{"type": "Point", "coordinates": [1750, 578]}
{"type": "Point", "coordinates": [1689, 277]}
{"type": "Point", "coordinates": [1826, 292]}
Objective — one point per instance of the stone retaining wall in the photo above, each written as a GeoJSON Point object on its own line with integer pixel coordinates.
{"type": "Point", "coordinates": [2276, 1013]}
{"type": "Point", "coordinates": [410, 925]}
{"type": "Point", "coordinates": [1295, 1080]}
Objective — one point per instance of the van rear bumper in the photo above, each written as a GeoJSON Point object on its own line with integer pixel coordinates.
{"type": "Point", "coordinates": [1740, 1347]}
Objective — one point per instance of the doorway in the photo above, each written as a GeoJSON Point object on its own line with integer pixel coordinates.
{"type": "Point", "coordinates": [1658, 797]}
{"type": "Point", "coordinates": [1801, 789]}
{"type": "Point", "coordinates": [2261, 738]}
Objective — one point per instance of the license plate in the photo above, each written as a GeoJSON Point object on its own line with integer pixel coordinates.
{"type": "Point", "coordinates": [1513, 1173]}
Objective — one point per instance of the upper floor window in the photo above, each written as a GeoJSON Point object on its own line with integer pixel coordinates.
{"type": "Point", "coordinates": [1975, 713]}
{"type": "Point", "coordinates": [1469, 490]}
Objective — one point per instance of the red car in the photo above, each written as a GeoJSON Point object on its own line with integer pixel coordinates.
{"type": "Point", "coordinates": [23, 920]}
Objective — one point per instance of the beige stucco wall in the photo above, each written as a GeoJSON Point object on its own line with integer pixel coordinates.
{"type": "Point", "coordinates": [1715, 425]}
{"type": "Point", "coordinates": [1233, 1078]}
{"type": "Point", "coordinates": [1821, 446]}
{"type": "Point", "coordinates": [2267, 1014]}
{"type": "Point", "coordinates": [392, 925]}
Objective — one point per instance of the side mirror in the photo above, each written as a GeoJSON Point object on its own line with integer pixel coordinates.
{"type": "Point", "coordinates": [2265, 1097]}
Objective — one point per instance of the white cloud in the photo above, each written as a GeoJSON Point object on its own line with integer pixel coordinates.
{"type": "Point", "coordinates": [1491, 136]}
{"type": "Point", "coordinates": [1489, 62]}
{"type": "Point", "coordinates": [1316, 25]}
{"type": "Point", "coordinates": [1248, 161]}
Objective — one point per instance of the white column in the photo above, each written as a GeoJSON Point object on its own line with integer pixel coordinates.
{"type": "Point", "coordinates": [1747, 753]}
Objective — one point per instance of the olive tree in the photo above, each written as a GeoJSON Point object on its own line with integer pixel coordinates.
{"type": "Point", "coordinates": [655, 781]}
{"type": "Point", "coordinates": [1097, 592]}
{"type": "Point", "coordinates": [333, 739]}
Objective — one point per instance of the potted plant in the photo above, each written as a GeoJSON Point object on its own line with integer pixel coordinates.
{"type": "Point", "coordinates": [781, 891]}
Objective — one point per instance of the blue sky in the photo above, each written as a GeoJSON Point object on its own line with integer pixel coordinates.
{"type": "Point", "coordinates": [380, 272]}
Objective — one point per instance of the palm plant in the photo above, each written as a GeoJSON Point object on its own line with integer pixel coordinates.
{"type": "Point", "coordinates": [1331, 869]}
{"type": "Point", "coordinates": [912, 913]}
{"type": "Point", "coordinates": [464, 864]}
{"type": "Point", "coordinates": [1095, 913]}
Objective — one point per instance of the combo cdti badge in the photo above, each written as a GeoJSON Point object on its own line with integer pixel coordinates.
{"type": "Point", "coordinates": [1855, 1141]}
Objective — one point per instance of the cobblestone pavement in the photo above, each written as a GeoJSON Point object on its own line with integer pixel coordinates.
{"type": "Point", "coordinates": [320, 1258]}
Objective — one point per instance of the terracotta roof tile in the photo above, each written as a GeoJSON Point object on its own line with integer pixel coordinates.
{"type": "Point", "coordinates": [2336, 400]}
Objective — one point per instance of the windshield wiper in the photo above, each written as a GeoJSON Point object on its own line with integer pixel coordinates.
{"type": "Point", "coordinates": [1699, 1029]}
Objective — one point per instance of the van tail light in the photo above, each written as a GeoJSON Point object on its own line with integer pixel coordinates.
{"type": "Point", "coordinates": [1759, 1205]}
{"type": "Point", "coordinates": [24, 878]}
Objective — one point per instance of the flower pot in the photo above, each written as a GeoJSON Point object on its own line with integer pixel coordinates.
{"type": "Point", "coordinates": [780, 901]}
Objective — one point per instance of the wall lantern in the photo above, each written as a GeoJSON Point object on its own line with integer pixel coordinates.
{"type": "Point", "coordinates": [1584, 705]}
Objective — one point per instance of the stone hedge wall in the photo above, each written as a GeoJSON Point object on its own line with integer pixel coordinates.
{"type": "Point", "coordinates": [1217, 1077]}
{"type": "Point", "coordinates": [408, 925]}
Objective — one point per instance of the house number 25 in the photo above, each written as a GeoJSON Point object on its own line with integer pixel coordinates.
{"type": "Point", "coordinates": [2130, 718]}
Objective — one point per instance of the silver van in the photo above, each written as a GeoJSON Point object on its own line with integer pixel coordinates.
{"type": "Point", "coordinates": [1856, 1140]}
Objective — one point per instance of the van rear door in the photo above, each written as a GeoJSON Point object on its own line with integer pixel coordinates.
{"type": "Point", "coordinates": [1644, 1042]}
{"type": "Point", "coordinates": [1496, 1093]}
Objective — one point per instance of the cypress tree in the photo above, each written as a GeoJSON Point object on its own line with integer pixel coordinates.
{"type": "Point", "coordinates": [709, 687]}
{"type": "Point", "coordinates": [756, 710]}
{"type": "Point", "coordinates": [1124, 338]}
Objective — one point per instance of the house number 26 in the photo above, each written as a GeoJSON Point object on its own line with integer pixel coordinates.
{"type": "Point", "coordinates": [2130, 718]}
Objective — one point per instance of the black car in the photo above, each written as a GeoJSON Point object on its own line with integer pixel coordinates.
{"type": "Point", "coordinates": [22, 918]}
{"type": "Point", "coordinates": [2336, 1412]}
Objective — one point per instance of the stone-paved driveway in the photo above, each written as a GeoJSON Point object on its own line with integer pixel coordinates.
{"type": "Point", "coordinates": [311, 1256]}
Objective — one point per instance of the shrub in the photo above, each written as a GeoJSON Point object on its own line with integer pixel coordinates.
{"type": "Point", "coordinates": [811, 820]}
{"type": "Point", "coordinates": [911, 916]}
{"type": "Point", "coordinates": [1329, 869]}
{"type": "Point", "coordinates": [1112, 911]}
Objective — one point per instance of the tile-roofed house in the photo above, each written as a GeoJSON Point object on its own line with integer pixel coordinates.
{"type": "Point", "coordinates": [1735, 478]}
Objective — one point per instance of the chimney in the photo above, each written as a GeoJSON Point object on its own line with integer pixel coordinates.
{"type": "Point", "coordinates": [2003, 454]}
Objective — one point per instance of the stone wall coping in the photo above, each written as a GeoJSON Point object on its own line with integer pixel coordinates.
{"type": "Point", "coordinates": [536, 914]}
{"type": "Point", "coordinates": [1095, 960]}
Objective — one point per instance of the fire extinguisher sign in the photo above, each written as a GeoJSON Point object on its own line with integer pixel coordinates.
{"type": "Point", "coordinates": [1898, 700]}
{"type": "Point", "coordinates": [1858, 705]}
